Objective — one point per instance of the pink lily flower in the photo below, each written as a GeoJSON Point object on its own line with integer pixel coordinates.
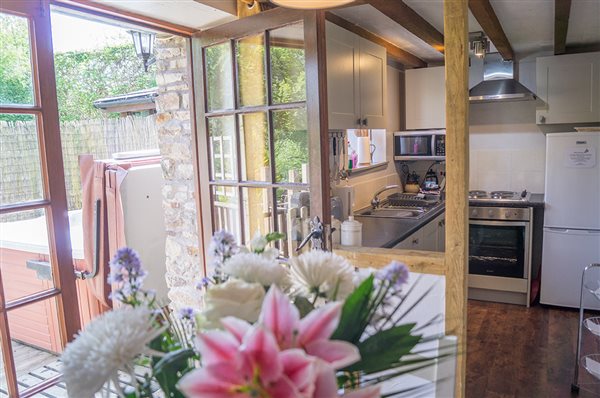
{"type": "Point", "coordinates": [281, 356]}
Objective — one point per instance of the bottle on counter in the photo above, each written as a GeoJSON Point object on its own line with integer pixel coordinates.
{"type": "Point", "coordinates": [351, 232]}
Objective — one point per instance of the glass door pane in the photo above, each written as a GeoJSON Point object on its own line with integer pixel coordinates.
{"type": "Point", "coordinates": [16, 78]}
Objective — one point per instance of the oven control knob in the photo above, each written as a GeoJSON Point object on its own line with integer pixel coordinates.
{"type": "Point", "coordinates": [508, 214]}
{"type": "Point", "coordinates": [491, 213]}
{"type": "Point", "coordinates": [474, 213]}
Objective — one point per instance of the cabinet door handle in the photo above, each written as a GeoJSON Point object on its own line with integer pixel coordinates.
{"type": "Point", "coordinates": [359, 121]}
{"type": "Point", "coordinates": [365, 122]}
{"type": "Point", "coordinates": [415, 241]}
{"type": "Point", "coordinates": [542, 119]}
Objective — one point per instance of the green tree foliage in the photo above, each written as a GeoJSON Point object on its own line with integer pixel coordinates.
{"type": "Point", "coordinates": [81, 76]}
{"type": "Point", "coordinates": [15, 64]}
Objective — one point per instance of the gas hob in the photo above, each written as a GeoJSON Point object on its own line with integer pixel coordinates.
{"type": "Point", "coordinates": [499, 196]}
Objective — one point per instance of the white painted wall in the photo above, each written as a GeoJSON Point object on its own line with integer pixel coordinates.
{"type": "Point", "coordinates": [507, 148]}
{"type": "Point", "coordinates": [366, 184]}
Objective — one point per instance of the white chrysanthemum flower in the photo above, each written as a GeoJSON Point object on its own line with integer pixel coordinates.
{"type": "Point", "coordinates": [232, 298]}
{"type": "Point", "coordinates": [109, 344]}
{"type": "Point", "coordinates": [323, 273]}
{"type": "Point", "coordinates": [256, 268]}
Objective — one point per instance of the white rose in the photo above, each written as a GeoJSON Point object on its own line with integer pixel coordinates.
{"type": "Point", "coordinates": [233, 298]}
{"type": "Point", "coordinates": [258, 243]}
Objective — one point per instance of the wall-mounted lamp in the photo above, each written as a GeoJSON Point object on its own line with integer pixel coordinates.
{"type": "Point", "coordinates": [144, 46]}
{"type": "Point", "coordinates": [479, 44]}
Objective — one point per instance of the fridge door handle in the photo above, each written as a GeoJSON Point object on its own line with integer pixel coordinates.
{"type": "Point", "coordinates": [560, 230]}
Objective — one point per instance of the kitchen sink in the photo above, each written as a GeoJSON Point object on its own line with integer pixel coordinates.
{"type": "Point", "coordinates": [394, 212]}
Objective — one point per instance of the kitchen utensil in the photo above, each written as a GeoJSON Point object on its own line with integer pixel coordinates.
{"type": "Point", "coordinates": [412, 183]}
{"type": "Point", "coordinates": [431, 182]}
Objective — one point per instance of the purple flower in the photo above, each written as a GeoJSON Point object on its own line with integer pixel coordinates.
{"type": "Point", "coordinates": [223, 245]}
{"type": "Point", "coordinates": [396, 273]}
{"type": "Point", "coordinates": [128, 259]}
{"type": "Point", "coordinates": [204, 282]}
{"type": "Point", "coordinates": [187, 313]}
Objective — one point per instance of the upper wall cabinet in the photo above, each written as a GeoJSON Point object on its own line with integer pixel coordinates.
{"type": "Point", "coordinates": [569, 85]}
{"type": "Point", "coordinates": [356, 80]}
{"type": "Point", "coordinates": [425, 98]}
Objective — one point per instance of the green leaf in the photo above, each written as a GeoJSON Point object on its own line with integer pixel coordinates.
{"type": "Point", "coordinates": [170, 368]}
{"type": "Point", "coordinates": [385, 349]}
{"type": "Point", "coordinates": [355, 313]}
{"type": "Point", "coordinates": [303, 305]}
{"type": "Point", "coordinates": [274, 236]}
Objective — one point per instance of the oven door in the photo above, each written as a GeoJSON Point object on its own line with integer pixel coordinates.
{"type": "Point", "coordinates": [499, 248]}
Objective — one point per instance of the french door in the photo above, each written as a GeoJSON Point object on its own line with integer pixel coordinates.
{"type": "Point", "coordinates": [262, 125]}
{"type": "Point", "coordinates": [38, 299]}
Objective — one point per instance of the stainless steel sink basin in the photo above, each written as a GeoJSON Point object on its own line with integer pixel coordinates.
{"type": "Point", "coordinates": [394, 212]}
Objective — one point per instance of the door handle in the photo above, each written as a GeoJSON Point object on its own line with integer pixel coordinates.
{"type": "Point", "coordinates": [365, 122]}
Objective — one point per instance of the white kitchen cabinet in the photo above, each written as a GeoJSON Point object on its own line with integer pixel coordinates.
{"type": "Point", "coordinates": [356, 80]}
{"type": "Point", "coordinates": [569, 86]}
{"type": "Point", "coordinates": [425, 98]}
{"type": "Point", "coordinates": [431, 237]}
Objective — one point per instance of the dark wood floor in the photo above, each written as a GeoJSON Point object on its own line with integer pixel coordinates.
{"type": "Point", "coordinates": [514, 351]}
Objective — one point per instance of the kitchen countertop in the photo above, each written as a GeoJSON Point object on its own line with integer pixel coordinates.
{"type": "Point", "coordinates": [536, 200]}
{"type": "Point", "coordinates": [388, 232]}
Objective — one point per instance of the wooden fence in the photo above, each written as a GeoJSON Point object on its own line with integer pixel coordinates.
{"type": "Point", "coordinates": [20, 176]}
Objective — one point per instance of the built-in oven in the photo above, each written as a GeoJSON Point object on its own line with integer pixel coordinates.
{"type": "Point", "coordinates": [421, 144]}
{"type": "Point", "coordinates": [500, 251]}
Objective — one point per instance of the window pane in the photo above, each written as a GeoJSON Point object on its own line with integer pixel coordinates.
{"type": "Point", "coordinates": [254, 136]}
{"type": "Point", "coordinates": [219, 77]}
{"type": "Point", "coordinates": [291, 145]}
{"type": "Point", "coordinates": [36, 344]}
{"type": "Point", "coordinates": [252, 87]}
{"type": "Point", "coordinates": [16, 83]}
{"type": "Point", "coordinates": [20, 171]}
{"type": "Point", "coordinates": [293, 209]}
{"type": "Point", "coordinates": [226, 210]}
{"type": "Point", "coordinates": [287, 64]}
{"type": "Point", "coordinates": [221, 131]}
{"type": "Point", "coordinates": [257, 212]}
{"type": "Point", "coordinates": [25, 253]}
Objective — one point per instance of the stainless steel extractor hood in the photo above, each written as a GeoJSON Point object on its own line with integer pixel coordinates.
{"type": "Point", "coordinates": [499, 83]}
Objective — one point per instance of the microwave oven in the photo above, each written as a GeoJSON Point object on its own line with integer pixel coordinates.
{"type": "Point", "coordinates": [420, 145]}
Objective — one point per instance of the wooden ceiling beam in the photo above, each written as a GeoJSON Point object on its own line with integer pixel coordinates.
{"type": "Point", "coordinates": [562, 11]}
{"type": "Point", "coordinates": [394, 52]}
{"type": "Point", "coordinates": [484, 13]}
{"type": "Point", "coordinates": [228, 6]}
{"type": "Point", "coordinates": [402, 14]}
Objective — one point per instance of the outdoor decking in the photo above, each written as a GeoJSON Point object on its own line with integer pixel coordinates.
{"type": "Point", "coordinates": [33, 366]}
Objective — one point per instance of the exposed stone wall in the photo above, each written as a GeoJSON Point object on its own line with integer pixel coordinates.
{"type": "Point", "coordinates": [176, 145]}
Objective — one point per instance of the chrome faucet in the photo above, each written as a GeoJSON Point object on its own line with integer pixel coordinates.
{"type": "Point", "coordinates": [316, 235]}
{"type": "Point", "coordinates": [375, 201]}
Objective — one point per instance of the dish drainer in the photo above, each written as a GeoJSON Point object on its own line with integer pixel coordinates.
{"type": "Point", "coordinates": [590, 362]}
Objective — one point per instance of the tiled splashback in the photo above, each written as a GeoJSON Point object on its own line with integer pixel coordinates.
{"type": "Point", "coordinates": [507, 161]}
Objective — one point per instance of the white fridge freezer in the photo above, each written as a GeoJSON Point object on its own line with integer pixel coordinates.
{"type": "Point", "coordinates": [566, 253]}
{"type": "Point", "coordinates": [571, 216]}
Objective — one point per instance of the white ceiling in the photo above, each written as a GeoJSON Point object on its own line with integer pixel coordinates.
{"type": "Point", "coordinates": [182, 12]}
{"type": "Point", "coordinates": [375, 22]}
{"type": "Point", "coordinates": [528, 24]}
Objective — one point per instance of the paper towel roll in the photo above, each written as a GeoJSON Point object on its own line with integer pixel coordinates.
{"type": "Point", "coordinates": [364, 150]}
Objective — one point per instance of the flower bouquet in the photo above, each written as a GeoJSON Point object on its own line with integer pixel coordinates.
{"type": "Point", "coordinates": [310, 326]}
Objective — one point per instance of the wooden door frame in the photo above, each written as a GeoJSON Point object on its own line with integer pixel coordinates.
{"type": "Point", "coordinates": [45, 109]}
{"type": "Point", "coordinates": [316, 100]}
